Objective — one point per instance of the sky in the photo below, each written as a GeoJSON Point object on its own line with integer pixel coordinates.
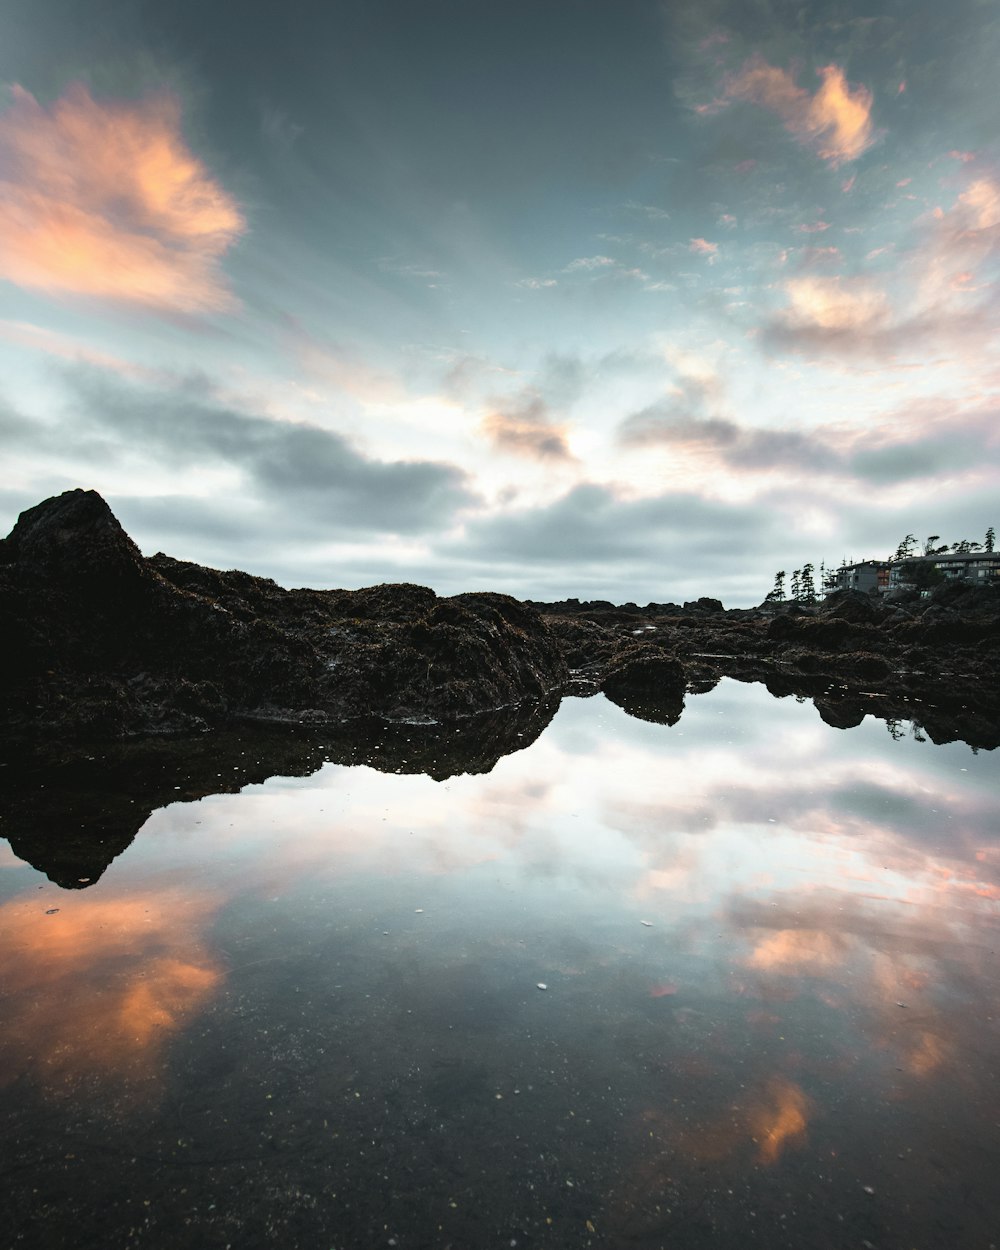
{"type": "Point", "coordinates": [619, 299]}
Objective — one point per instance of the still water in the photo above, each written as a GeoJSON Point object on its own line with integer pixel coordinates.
{"type": "Point", "coordinates": [723, 983]}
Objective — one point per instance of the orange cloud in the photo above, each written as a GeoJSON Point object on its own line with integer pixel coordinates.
{"type": "Point", "coordinates": [836, 121]}
{"type": "Point", "coordinates": [795, 950]}
{"type": "Point", "coordinates": [523, 426]}
{"type": "Point", "coordinates": [100, 986]}
{"type": "Point", "coordinates": [779, 1119]}
{"type": "Point", "coordinates": [104, 199]}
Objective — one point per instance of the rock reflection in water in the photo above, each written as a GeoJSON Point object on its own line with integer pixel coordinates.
{"type": "Point", "coordinates": [305, 1009]}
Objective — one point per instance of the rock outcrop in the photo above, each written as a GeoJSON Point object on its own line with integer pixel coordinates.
{"type": "Point", "coordinates": [98, 641]}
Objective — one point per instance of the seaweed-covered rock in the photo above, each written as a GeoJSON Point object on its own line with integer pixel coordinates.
{"type": "Point", "coordinates": [96, 640]}
{"type": "Point", "coordinates": [647, 682]}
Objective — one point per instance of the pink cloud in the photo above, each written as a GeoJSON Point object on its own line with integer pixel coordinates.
{"type": "Point", "coordinates": [835, 121]}
{"type": "Point", "coordinates": [104, 199]}
{"type": "Point", "coordinates": [848, 185]}
{"type": "Point", "coordinates": [702, 247]}
{"type": "Point", "coordinates": [814, 227]}
{"type": "Point", "coordinates": [835, 304]}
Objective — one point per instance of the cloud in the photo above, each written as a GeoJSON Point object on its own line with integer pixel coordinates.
{"type": "Point", "coordinates": [523, 426]}
{"type": "Point", "coordinates": [837, 304]}
{"type": "Point", "coordinates": [589, 263]}
{"type": "Point", "coordinates": [943, 288]}
{"type": "Point", "coordinates": [835, 121]}
{"type": "Point", "coordinates": [308, 480]}
{"type": "Point", "coordinates": [702, 247]}
{"type": "Point", "coordinates": [104, 199]}
{"type": "Point", "coordinates": [689, 420]}
{"type": "Point", "coordinates": [693, 420]}
{"type": "Point", "coordinates": [592, 523]}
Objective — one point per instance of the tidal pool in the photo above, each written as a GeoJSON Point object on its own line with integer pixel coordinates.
{"type": "Point", "coordinates": [723, 983]}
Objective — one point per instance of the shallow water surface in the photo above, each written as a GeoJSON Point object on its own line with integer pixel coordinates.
{"type": "Point", "coordinates": [727, 982]}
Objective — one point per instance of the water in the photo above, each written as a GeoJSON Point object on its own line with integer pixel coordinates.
{"type": "Point", "coordinates": [307, 1013]}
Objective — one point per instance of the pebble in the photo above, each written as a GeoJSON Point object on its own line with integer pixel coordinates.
{"type": "Point", "coordinates": [542, 985]}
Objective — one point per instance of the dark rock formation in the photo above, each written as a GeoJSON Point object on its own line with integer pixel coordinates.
{"type": "Point", "coordinates": [933, 661]}
{"type": "Point", "coordinates": [70, 809]}
{"type": "Point", "coordinates": [647, 682]}
{"type": "Point", "coordinates": [97, 641]}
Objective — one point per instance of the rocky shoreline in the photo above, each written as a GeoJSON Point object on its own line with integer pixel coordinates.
{"type": "Point", "coordinates": [98, 642]}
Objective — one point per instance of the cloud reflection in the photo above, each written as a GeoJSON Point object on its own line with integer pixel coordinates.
{"type": "Point", "coordinates": [100, 986]}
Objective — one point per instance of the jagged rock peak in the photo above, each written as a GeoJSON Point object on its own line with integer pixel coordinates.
{"type": "Point", "coordinates": [72, 536]}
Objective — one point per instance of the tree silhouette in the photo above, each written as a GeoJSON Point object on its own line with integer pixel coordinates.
{"type": "Point", "coordinates": [777, 592]}
{"type": "Point", "coordinates": [905, 548]}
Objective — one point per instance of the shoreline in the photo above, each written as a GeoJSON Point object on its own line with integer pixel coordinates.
{"type": "Point", "coordinates": [98, 642]}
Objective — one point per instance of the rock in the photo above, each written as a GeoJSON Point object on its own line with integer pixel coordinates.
{"type": "Point", "coordinates": [850, 605]}
{"type": "Point", "coordinates": [95, 640]}
{"type": "Point", "coordinates": [647, 682]}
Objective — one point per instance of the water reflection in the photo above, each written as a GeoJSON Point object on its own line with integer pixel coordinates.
{"type": "Point", "coordinates": [768, 948]}
{"type": "Point", "coordinates": [97, 985]}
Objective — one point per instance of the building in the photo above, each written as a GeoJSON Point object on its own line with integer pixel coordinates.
{"type": "Point", "coordinates": [866, 576]}
{"type": "Point", "coordinates": [979, 567]}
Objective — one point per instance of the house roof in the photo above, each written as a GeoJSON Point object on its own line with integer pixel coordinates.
{"type": "Point", "coordinates": [947, 556]}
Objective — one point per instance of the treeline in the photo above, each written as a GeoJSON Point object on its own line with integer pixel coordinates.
{"type": "Point", "coordinates": [909, 547]}
{"type": "Point", "coordinates": [803, 587]}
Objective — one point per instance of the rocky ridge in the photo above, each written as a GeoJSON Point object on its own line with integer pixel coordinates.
{"type": "Point", "coordinates": [99, 642]}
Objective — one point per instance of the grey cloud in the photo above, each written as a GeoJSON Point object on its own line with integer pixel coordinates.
{"type": "Point", "coordinates": [523, 426]}
{"type": "Point", "coordinates": [590, 524]}
{"type": "Point", "coordinates": [692, 418]}
{"type": "Point", "coordinates": [295, 469]}
{"type": "Point", "coordinates": [689, 417]}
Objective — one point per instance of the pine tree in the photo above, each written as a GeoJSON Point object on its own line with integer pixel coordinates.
{"type": "Point", "coordinates": [777, 592]}
{"type": "Point", "coordinates": [796, 574]}
{"type": "Point", "coordinates": [905, 548]}
{"type": "Point", "coordinates": [990, 539]}
{"type": "Point", "coordinates": [807, 587]}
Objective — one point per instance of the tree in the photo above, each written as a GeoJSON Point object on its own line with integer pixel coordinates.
{"type": "Point", "coordinates": [796, 574]}
{"type": "Point", "coordinates": [929, 544]}
{"type": "Point", "coordinates": [807, 587]}
{"type": "Point", "coordinates": [922, 575]}
{"type": "Point", "coordinates": [905, 548]}
{"type": "Point", "coordinates": [777, 592]}
{"type": "Point", "coordinates": [990, 539]}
